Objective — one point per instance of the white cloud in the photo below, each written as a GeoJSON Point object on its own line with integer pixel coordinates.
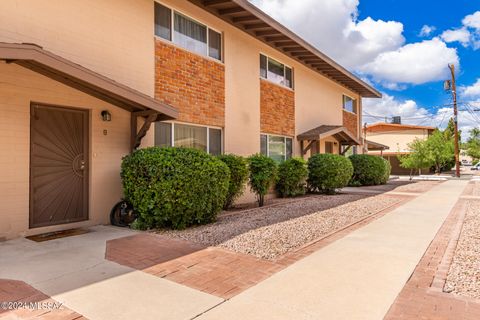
{"type": "Point", "coordinates": [461, 35]}
{"type": "Point", "coordinates": [472, 20]}
{"type": "Point", "coordinates": [375, 110]}
{"type": "Point", "coordinates": [472, 91]}
{"type": "Point", "coordinates": [334, 29]}
{"type": "Point", "coordinates": [370, 47]}
{"type": "Point", "coordinates": [414, 63]}
{"type": "Point", "coordinates": [468, 34]}
{"type": "Point", "coordinates": [427, 30]}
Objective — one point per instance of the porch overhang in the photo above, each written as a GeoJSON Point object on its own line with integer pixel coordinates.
{"type": "Point", "coordinates": [37, 59]}
{"type": "Point", "coordinates": [375, 146]}
{"type": "Point", "coordinates": [340, 133]}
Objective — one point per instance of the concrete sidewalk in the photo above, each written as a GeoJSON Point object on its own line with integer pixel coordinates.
{"type": "Point", "coordinates": [357, 277]}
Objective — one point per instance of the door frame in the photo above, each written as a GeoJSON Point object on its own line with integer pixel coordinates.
{"type": "Point", "coordinates": [86, 147]}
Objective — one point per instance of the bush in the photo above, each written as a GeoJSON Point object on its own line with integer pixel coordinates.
{"type": "Point", "coordinates": [369, 170]}
{"type": "Point", "coordinates": [238, 177]}
{"type": "Point", "coordinates": [388, 171]}
{"type": "Point", "coordinates": [292, 175]}
{"type": "Point", "coordinates": [174, 187]}
{"type": "Point", "coordinates": [263, 172]}
{"type": "Point", "coordinates": [327, 172]}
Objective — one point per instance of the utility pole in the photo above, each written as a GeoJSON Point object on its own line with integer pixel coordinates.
{"type": "Point", "coordinates": [455, 120]}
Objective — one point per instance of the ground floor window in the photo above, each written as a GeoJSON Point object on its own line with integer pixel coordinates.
{"type": "Point", "coordinates": [278, 148]}
{"type": "Point", "coordinates": [169, 134]}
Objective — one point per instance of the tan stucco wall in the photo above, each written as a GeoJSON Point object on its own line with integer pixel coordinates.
{"type": "Point", "coordinates": [112, 37]}
{"type": "Point", "coordinates": [116, 39]}
{"type": "Point", "coordinates": [397, 140]}
{"type": "Point", "coordinates": [19, 87]}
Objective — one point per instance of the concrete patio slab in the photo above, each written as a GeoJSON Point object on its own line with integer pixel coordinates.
{"type": "Point", "coordinates": [74, 271]}
{"type": "Point", "coordinates": [356, 277]}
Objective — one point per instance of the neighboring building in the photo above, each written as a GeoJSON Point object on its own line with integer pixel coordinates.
{"type": "Point", "coordinates": [84, 82]}
{"type": "Point", "coordinates": [396, 137]}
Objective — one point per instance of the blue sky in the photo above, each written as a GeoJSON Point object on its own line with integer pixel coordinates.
{"type": "Point", "coordinates": [443, 15]}
{"type": "Point", "coordinates": [402, 47]}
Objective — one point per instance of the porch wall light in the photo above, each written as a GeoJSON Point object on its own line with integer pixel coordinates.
{"type": "Point", "coordinates": [106, 115]}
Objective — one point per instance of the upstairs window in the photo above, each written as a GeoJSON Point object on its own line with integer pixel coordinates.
{"type": "Point", "coordinates": [187, 33]}
{"type": "Point", "coordinates": [275, 71]}
{"type": "Point", "coordinates": [349, 104]}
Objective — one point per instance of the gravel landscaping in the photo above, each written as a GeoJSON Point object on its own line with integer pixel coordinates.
{"type": "Point", "coordinates": [464, 274]}
{"type": "Point", "coordinates": [272, 231]}
{"type": "Point", "coordinates": [403, 186]}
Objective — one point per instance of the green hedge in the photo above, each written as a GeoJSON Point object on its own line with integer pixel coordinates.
{"type": "Point", "coordinates": [369, 170]}
{"type": "Point", "coordinates": [292, 175]}
{"type": "Point", "coordinates": [327, 172]}
{"type": "Point", "coordinates": [174, 187]}
{"type": "Point", "coordinates": [238, 177]}
{"type": "Point", "coordinates": [263, 173]}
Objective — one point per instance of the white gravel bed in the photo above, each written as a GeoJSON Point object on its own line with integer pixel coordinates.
{"type": "Point", "coordinates": [464, 274]}
{"type": "Point", "coordinates": [270, 232]}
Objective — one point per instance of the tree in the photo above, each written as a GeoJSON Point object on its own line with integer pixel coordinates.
{"type": "Point", "coordinates": [436, 151]}
{"type": "Point", "coordinates": [440, 149]}
{"type": "Point", "coordinates": [450, 131]}
{"type": "Point", "coordinates": [473, 144]}
{"type": "Point", "coordinates": [418, 158]}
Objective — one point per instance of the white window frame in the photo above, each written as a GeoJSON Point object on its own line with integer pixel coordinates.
{"type": "Point", "coordinates": [172, 133]}
{"type": "Point", "coordinates": [354, 101]}
{"type": "Point", "coordinates": [284, 144]}
{"type": "Point", "coordinates": [172, 33]}
{"type": "Point", "coordinates": [284, 72]}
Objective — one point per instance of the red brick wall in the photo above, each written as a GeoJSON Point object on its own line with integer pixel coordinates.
{"type": "Point", "coordinates": [191, 83]}
{"type": "Point", "coordinates": [277, 109]}
{"type": "Point", "coordinates": [350, 121]}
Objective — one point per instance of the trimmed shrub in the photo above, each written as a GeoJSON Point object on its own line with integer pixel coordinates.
{"type": "Point", "coordinates": [292, 175]}
{"type": "Point", "coordinates": [174, 187]}
{"type": "Point", "coordinates": [238, 177]}
{"type": "Point", "coordinates": [327, 172]}
{"type": "Point", "coordinates": [263, 172]}
{"type": "Point", "coordinates": [369, 170]}
{"type": "Point", "coordinates": [388, 171]}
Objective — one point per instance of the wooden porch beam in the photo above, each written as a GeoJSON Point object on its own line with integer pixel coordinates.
{"type": "Point", "coordinates": [136, 137]}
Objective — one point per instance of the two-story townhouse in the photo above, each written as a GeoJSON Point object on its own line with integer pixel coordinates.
{"type": "Point", "coordinates": [83, 83]}
{"type": "Point", "coordinates": [396, 138]}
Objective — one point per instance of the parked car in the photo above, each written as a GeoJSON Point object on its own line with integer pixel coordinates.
{"type": "Point", "coordinates": [465, 162]}
{"type": "Point", "coordinates": [476, 167]}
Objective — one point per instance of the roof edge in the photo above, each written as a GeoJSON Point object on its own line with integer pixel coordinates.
{"type": "Point", "coordinates": [269, 20]}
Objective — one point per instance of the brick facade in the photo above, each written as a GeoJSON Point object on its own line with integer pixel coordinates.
{"type": "Point", "coordinates": [277, 109]}
{"type": "Point", "coordinates": [350, 121]}
{"type": "Point", "coordinates": [191, 83]}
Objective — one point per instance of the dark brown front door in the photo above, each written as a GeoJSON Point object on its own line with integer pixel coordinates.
{"type": "Point", "coordinates": [58, 165]}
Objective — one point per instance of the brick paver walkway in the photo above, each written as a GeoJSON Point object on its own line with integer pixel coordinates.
{"type": "Point", "coordinates": [423, 296]}
{"type": "Point", "coordinates": [19, 291]}
{"type": "Point", "coordinates": [145, 250]}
